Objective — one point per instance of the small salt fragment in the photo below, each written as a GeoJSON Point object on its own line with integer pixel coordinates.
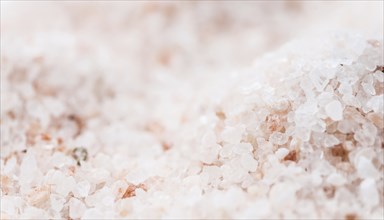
{"type": "Point", "coordinates": [278, 138]}
{"type": "Point", "coordinates": [81, 189]}
{"type": "Point", "coordinates": [367, 85]}
{"type": "Point", "coordinates": [345, 89]}
{"type": "Point", "coordinates": [281, 153]}
{"type": "Point", "coordinates": [226, 151]}
{"type": "Point", "coordinates": [376, 103]}
{"type": "Point", "coordinates": [76, 208]}
{"type": "Point", "coordinates": [213, 174]}
{"type": "Point", "coordinates": [29, 171]}
{"type": "Point", "coordinates": [61, 183]}
{"type": "Point", "coordinates": [336, 179]}
{"type": "Point", "coordinates": [209, 138]}
{"type": "Point", "coordinates": [248, 162]}
{"type": "Point", "coordinates": [93, 213]}
{"type": "Point", "coordinates": [210, 153]}
{"type": "Point", "coordinates": [368, 88]}
{"type": "Point", "coordinates": [232, 135]}
{"type": "Point", "coordinates": [368, 193]}
{"type": "Point", "coordinates": [57, 202]}
{"type": "Point", "coordinates": [345, 126]}
{"type": "Point", "coordinates": [282, 195]}
{"type": "Point", "coordinates": [365, 169]}
{"type": "Point", "coordinates": [243, 148]}
{"type": "Point", "coordinates": [367, 135]}
{"type": "Point", "coordinates": [351, 100]}
{"type": "Point", "coordinates": [379, 76]}
{"type": "Point", "coordinates": [330, 140]}
{"type": "Point", "coordinates": [377, 119]}
{"type": "Point", "coordinates": [334, 110]}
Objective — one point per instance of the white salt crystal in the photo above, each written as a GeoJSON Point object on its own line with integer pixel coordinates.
{"type": "Point", "coordinates": [210, 153]}
{"type": "Point", "coordinates": [248, 162]}
{"type": "Point", "coordinates": [62, 184]}
{"type": "Point", "coordinates": [209, 138]}
{"type": "Point", "coordinates": [376, 103]}
{"type": "Point", "coordinates": [334, 110]}
{"type": "Point", "coordinates": [243, 148]}
{"type": "Point", "coordinates": [232, 134]}
{"type": "Point", "coordinates": [365, 169]}
{"type": "Point", "coordinates": [29, 171]}
{"type": "Point", "coordinates": [345, 126]}
{"type": "Point", "coordinates": [76, 208]}
{"type": "Point", "coordinates": [9, 166]}
{"type": "Point", "coordinates": [366, 136]}
{"type": "Point", "coordinates": [11, 204]}
{"type": "Point", "coordinates": [93, 213]}
{"type": "Point", "coordinates": [320, 126]}
{"type": "Point", "coordinates": [213, 173]}
{"type": "Point", "coordinates": [226, 151]}
{"type": "Point", "coordinates": [336, 179]}
{"type": "Point", "coordinates": [303, 133]}
{"type": "Point", "coordinates": [282, 196]}
{"type": "Point", "coordinates": [31, 212]}
{"type": "Point", "coordinates": [232, 173]}
{"type": "Point", "coordinates": [57, 202]}
{"type": "Point", "coordinates": [345, 89]}
{"type": "Point", "coordinates": [351, 100]}
{"type": "Point", "coordinates": [81, 189]}
{"type": "Point", "coordinates": [368, 193]}
{"type": "Point", "coordinates": [330, 140]}
{"type": "Point", "coordinates": [278, 138]}
{"type": "Point", "coordinates": [368, 88]}
{"type": "Point", "coordinates": [59, 160]}
{"type": "Point", "coordinates": [379, 76]}
{"type": "Point", "coordinates": [367, 85]}
{"type": "Point", "coordinates": [281, 153]}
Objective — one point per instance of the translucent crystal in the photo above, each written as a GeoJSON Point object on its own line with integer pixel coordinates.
{"type": "Point", "coordinates": [368, 193]}
{"type": "Point", "coordinates": [334, 110]}
{"type": "Point", "coordinates": [278, 138]}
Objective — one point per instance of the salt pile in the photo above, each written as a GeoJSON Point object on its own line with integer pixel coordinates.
{"type": "Point", "coordinates": [94, 125]}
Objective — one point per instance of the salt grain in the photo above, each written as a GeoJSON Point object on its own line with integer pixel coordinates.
{"type": "Point", "coordinates": [76, 208]}
{"type": "Point", "coordinates": [278, 138]}
{"type": "Point", "coordinates": [178, 135]}
{"type": "Point", "coordinates": [368, 193]}
{"type": "Point", "coordinates": [249, 163]}
{"type": "Point", "coordinates": [366, 169]}
{"type": "Point", "coordinates": [334, 110]}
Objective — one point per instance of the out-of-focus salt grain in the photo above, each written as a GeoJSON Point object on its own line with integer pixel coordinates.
{"type": "Point", "coordinates": [76, 208]}
{"type": "Point", "coordinates": [368, 193]}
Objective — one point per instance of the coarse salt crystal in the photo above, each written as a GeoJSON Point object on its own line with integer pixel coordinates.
{"type": "Point", "coordinates": [248, 162]}
{"type": "Point", "coordinates": [81, 189]}
{"type": "Point", "coordinates": [336, 179]}
{"type": "Point", "coordinates": [330, 140]}
{"type": "Point", "coordinates": [334, 110]}
{"type": "Point", "coordinates": [278, 138]}
{"type": "Point", "coordinates": [76, 208]}
{"type": "Point", "coordinates": [368, 193]}
{"type": "Point", "coordinates": [243, 148]}
{"type": "Point", "coordinates": [365, 169]}
{"type": "Point", "coordinates": [232, 134]}
{"type": "Point", "coordinates": [281, 153]}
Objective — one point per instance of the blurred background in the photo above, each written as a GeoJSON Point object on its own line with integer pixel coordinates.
{"type": "Point", "coordinates": [133, 63]}
{"type": "Point", "coordinates": [182, 37]}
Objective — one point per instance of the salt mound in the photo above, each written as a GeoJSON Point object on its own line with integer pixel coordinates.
{"type": "Point", "coordinates": [92, 130]}
{"type": "Point", "coordinates": [315, 132]}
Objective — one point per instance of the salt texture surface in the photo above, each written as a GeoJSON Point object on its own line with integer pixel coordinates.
{"type": "Point", "coordinates": [192, 110]}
